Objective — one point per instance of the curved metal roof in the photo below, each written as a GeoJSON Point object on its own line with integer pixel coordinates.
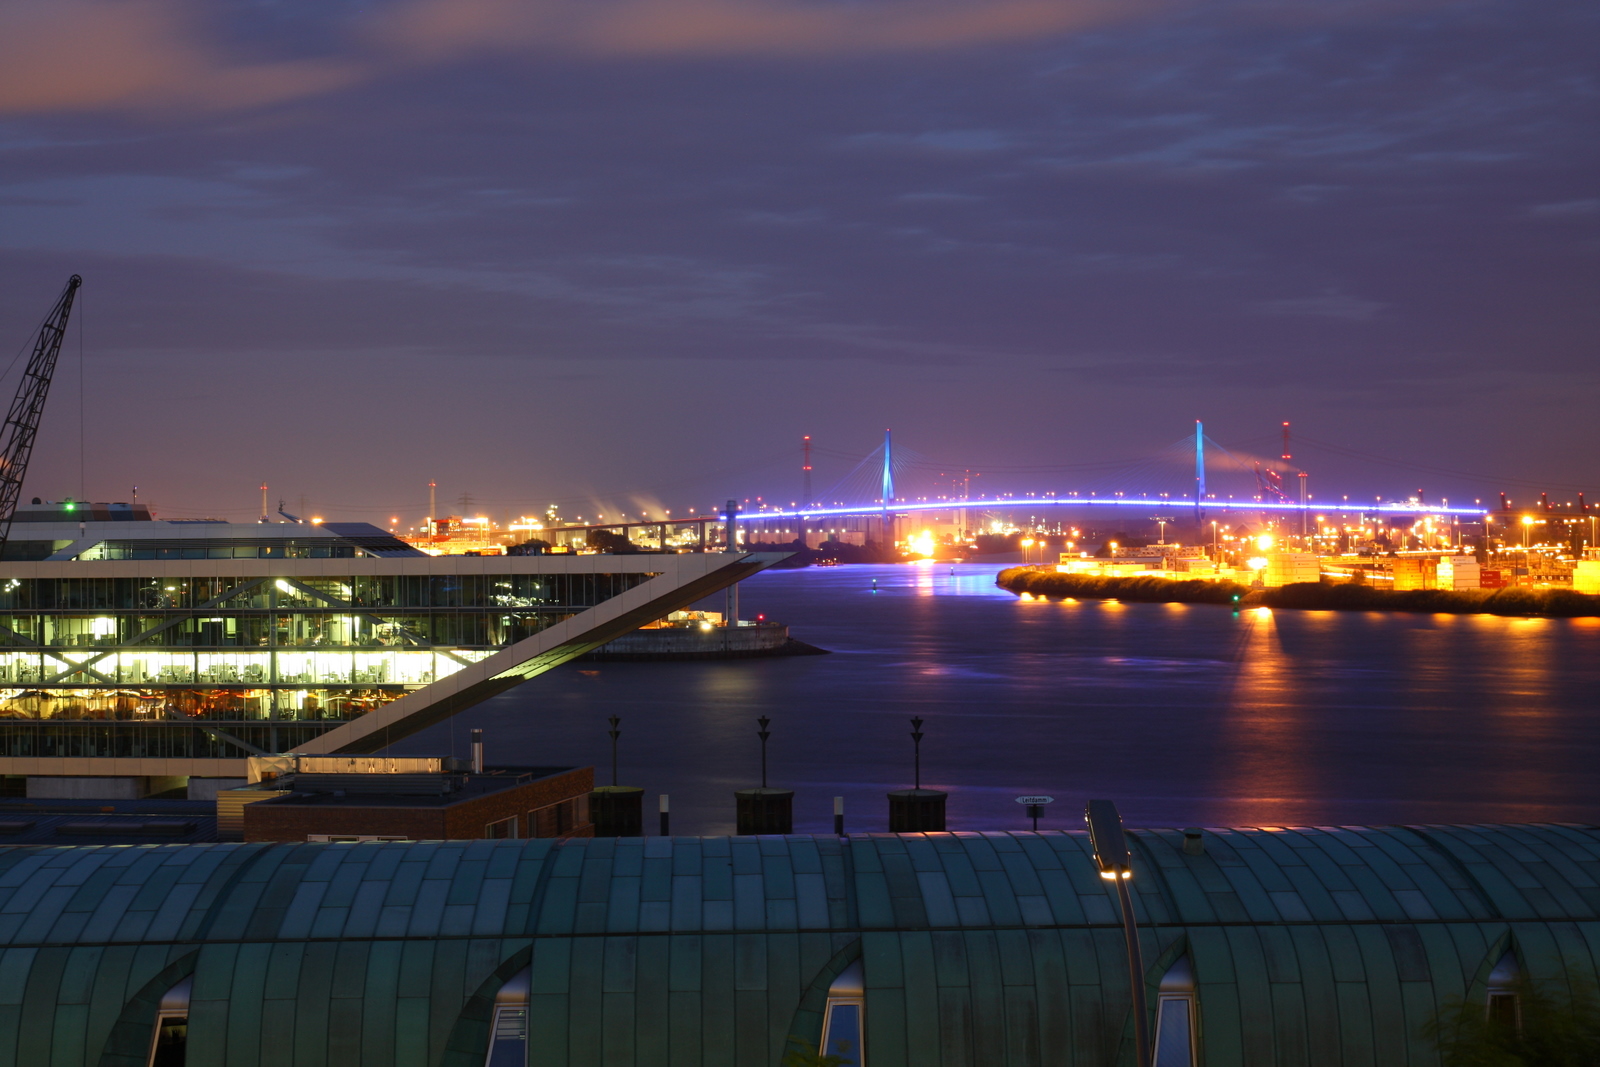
{"type": "Point", "coordinates": [1342, 938]}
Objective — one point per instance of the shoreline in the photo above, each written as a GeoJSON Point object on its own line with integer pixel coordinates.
{"type": "Point", "coordinates": [1305, 596]}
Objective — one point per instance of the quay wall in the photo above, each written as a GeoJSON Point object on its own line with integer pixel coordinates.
{"type": "Point", "coordinates": [1310, 596]}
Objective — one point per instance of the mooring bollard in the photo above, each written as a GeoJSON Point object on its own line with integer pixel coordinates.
{"type": "Point", "coordinates": [764, 811]}
{"type": "Point", "coordinates": [665, 818]}
{"type": "Point", "coordinates": [617, 811]}
{"type": "Point", "coordinates": [916, 811]}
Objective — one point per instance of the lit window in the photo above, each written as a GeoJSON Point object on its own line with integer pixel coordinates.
{"type": "Point", "coordinates": [169, 1044]}
{"type": "Point", "coordinates": [1503, 1007]}
{"type": "Point", "coordinates": [1175, 1017]}
{"type": "Point", "coordinates": [508, 1037]}
{"type": "Point", "coordinates": [843, 1025]}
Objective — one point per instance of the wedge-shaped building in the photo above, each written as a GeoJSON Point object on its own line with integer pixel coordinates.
{"type": "Point", "coordinates": [1261, 947]}
{"type": "Point", "coordinates": [137, 654]}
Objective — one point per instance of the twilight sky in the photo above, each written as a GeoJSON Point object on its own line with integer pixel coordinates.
{"type": "Point", "coordinates": [631, 250]}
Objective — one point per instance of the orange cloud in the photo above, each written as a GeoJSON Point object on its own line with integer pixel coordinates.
{"type": "Point", "coordinates": [68, 55]}
{"type": "Point", "coordinates": [437, 28]}
{"type": "Point", "coordinates": [80, 55]}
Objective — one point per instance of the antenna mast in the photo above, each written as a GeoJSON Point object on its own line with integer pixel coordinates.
{"type": "Point", "coordinates": [22, 423]}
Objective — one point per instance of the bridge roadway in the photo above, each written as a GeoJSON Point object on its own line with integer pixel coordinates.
{"type": "Point", "coordinates": [713, 541]}
{"type": "Point", "coordinates": [904, 507]}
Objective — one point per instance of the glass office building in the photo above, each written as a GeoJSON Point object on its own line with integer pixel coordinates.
{"type": "Point", "coordinates": [269, 659]}
{"type": "Point", "coordinates": [146, 640]}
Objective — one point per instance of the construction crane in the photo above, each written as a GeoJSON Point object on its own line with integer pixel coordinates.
{"type": "Point", "coordinates": [22, 423]}
{"type": "Point", "coordinates": [1270, 484]}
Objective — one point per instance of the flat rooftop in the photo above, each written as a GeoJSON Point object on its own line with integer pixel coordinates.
{"type": "Point", "coordinates": [439, 790]}
{"type": "Point", "coordinates": [107, 822]}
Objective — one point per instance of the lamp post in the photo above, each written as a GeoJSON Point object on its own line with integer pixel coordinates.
{"type": "Point", "coordinates": [1116, 865]}
{"type": "Point", "coordinates": [764, 810]}
{"type": "Point", "coordinates": [615, 734]}
{"type": "Point", "coordinates": [916, 810]}
{"type": "Point", "coordinates": [764, 733]}
{"type": "Point", "coordinates": [916, 753]}
{"type": "Point", "coordinates": [616, 810]}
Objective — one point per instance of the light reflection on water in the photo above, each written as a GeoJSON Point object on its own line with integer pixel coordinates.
{"type": "Point", "coordinates": [1187, 714]}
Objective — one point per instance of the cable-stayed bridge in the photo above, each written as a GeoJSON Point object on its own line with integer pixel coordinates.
{"type": "Point", "coordinates": [1195, 480]}
{"type": "Point", "coordinates": [1192, 476]}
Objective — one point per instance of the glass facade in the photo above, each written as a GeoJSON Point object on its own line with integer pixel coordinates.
{"type": "Point", "coordinates": [220, 550]}
{"type": "Point", "coordinates": [235, 652]}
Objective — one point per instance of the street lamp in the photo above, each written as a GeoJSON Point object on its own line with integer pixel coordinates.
{"type": "Point", "coordinates": [1116, 865]}
{"type": "Point", "coordinates": [1027, 543]}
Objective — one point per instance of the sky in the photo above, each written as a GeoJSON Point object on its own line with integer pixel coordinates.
{"type": "Point", "coordinates": [621, 255]}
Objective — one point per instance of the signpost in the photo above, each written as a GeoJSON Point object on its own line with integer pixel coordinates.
{"type": "Point", "coordinates": [1035, 805]}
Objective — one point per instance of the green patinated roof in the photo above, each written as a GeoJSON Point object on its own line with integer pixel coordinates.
{"type": "Point", "coordinates": [1309, 945]}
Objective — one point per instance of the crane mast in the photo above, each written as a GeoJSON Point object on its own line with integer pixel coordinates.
{"type": "Point", "coordinates": [22, 423]}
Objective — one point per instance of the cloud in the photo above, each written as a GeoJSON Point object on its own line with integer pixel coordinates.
{"type": "Point", "coordinates": [1330, 305]}
{"type": "Point", "coordinates": [1569, 209]}
{"type": "Point", "coordinates": [441, 28]}
{"type": "Point", "coordinates": [958, 141]}
{"type": "Point", "coordinates": [76, 55]}
{"type": "Point", "coordinates": [81, 55]}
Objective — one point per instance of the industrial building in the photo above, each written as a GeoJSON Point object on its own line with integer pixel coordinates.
{"type": "Point", "coordinates": [1270, 946]}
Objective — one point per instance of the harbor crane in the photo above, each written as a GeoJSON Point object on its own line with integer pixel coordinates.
{"type": "Point", "coordinates": [27, 407]}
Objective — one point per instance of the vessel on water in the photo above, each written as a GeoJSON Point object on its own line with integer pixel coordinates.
{"type": "Point", "coordinates": [695, 635]}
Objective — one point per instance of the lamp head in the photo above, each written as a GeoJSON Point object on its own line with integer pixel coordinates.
{"type": "Point", "coordinates": [1110, 844]}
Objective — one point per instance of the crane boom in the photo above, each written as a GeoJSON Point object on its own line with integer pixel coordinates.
{"type": "Point", "coordinates": [22, 422]}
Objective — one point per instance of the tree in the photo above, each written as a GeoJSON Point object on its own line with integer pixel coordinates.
{"type": "Point", "coordinates": [606, 541]}
{"type": "Point", "coordinates": [805, 1054]}
{"type": "Point", "coordinates": [1552, 1028]}
{"type": "Point", "coordinates": [534, 547]}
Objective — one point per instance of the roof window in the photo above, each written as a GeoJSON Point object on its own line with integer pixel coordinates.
{"type": "Point", "coordinates": [1176, 1023]}
{"type": "Point", "coordinates": [844, 1024]}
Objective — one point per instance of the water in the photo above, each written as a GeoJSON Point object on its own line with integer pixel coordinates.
{"type": "Point", "coordinates": [1183, 714]}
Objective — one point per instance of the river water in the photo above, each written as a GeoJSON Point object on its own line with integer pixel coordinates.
{"type": "Point", "coordinates": [1182, 714]}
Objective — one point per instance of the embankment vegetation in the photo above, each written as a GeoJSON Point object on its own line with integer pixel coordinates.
{"type": "Point", "coordinates": [1310, 596]}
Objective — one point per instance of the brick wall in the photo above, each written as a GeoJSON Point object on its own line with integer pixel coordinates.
{"type": "Point", "coordinates": [281, 820]}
